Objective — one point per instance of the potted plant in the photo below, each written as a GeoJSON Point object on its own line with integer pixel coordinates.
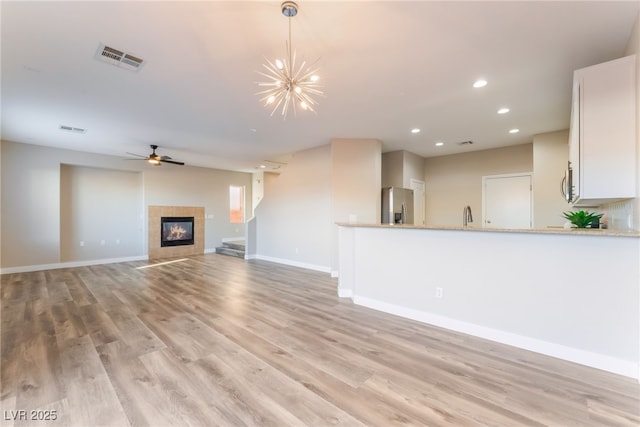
{"type": "Point", "coordinates": [583, 219]}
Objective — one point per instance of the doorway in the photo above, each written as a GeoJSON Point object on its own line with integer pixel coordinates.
{"type": "Point", "coordinates": [507, 201]}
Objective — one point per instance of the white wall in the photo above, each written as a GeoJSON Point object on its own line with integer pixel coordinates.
{"type": "Point", "coordinates": [103, 209]}
{"type": "Point", "coordinates": [294, 219]}
{"type": "Point", "coordinates": [550, 156]}
{"type": "Point", "coordinates": [31, 201]}
{"type": "Point", "coordinates": [257, 189]}
{"type": "Point", "coordinates": [400, 167]}
{"type": "Point", "coordinates": [30, 214]}
{"type": "Point", "coordinates": [454, 181]}
{"type": "Point", "coordinates": [356, 185]}
{"type": "Point", "coordinates": [529, 290]}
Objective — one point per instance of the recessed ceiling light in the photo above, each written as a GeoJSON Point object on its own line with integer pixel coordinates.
{"type": "Point", "coordinates": [514, 131]}
{"type": "Point", "coordinates": [503, 110]}
{"type": "Point", "coordinates": [480, 83]}
{"type": "Point", "coordinates": [439, 144]}
{"type": "Point", "coordinates": [253, 130]}
{"type": "Point", "coordinates": [415, 130]}
{"type": "Point", "coordinates": [262, 167]}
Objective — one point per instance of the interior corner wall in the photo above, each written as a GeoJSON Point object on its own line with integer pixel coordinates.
{"type": "Point", "coordinates": [392, 169]}
{"type": "Point", "coordinates": [294, 217]}
{"type": "Point", "coordinates": [550, 156]}
{"type": "Point", "coordinates": [30, 219]}
{"type": "Point", "coordinates": [412, 168]}
{"type": "Point", "coordinates": [356, 175]}
{"type": "Point", "coordinates": [454, 181]}
{"type": "Point", "coordinates": [204, 187]}
{"type": "Point", "coordinates": [101, 213]}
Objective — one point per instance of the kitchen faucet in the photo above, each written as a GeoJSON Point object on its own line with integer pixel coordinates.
{"type": "Point", "coordinates": [466, 216]}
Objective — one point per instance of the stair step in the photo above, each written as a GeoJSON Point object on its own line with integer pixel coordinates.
{"type": "Point", "coordinates": [237, 245]}
{"type": "Point", "coordinates": [230, 251]}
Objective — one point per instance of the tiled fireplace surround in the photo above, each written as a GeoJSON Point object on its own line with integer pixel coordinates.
{"type": "Point", "coordinates": [157, 212]}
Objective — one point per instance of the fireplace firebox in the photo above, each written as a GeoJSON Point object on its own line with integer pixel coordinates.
{"type": "Point", "coordinates": [176, 231]}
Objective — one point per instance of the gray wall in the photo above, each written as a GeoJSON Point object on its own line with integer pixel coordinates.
{"type": "Point", "coordinates": [356, 183]}
{"type": "Point", "coordinates": [32, 201]}
{"type": "Point", "coordinates": [103, 209]}
{"type": "Point", "coordinates": [455, 181]}
{"type": "Point", "coordinates": [550, 156]}
{"type": "Point", "coordinates": [339, 182]}
{"type": "Point", "coordinates": [293, 220]}
{"type": "Point", "coordinates": [400, 167]}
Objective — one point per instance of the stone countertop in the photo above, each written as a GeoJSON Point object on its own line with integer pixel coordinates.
{"type": "Point", "coordinates": [548, 230]}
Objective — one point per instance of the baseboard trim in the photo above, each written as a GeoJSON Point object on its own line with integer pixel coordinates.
{"type": "Point", "coordinates": [292, 263]}
{"type": "Point", "coordinates": [71, 264]}
{"type": "Point", "coordinates": [571, 354]}
{"type": "Point", "coordinates": [346, 293]}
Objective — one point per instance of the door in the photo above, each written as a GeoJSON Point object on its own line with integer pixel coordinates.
{"type": "Point", "coordinates": [507, 201]}
{"type": "Point", "coordinates": [418, 201]}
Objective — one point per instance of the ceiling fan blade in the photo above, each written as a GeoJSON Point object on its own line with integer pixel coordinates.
{"type": "Point", "coordinates": [165, 158]}
{"type": "Point", "coordinates": [172, 162]}
{"type": "Point", "coordinates": [137, 155]}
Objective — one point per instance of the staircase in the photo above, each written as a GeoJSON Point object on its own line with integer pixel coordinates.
{"type": "Point", "coordinates": [236, 249]}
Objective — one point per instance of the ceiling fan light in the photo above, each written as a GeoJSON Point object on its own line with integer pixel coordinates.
{"type": "Point", "coordinates": [279, 64]}
{"type": "Point", "coordinates": [298, 89]}
{"type": "Point", "coordinates": [315, 78]}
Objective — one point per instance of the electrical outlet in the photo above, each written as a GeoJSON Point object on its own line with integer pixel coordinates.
{"type": "Point", "coordinates": [439, 292]}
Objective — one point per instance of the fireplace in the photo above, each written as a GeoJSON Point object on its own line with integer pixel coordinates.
{"type": "Point", "coordinates": [176, 231]}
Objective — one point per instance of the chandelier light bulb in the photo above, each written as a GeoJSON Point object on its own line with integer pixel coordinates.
{"type": "Point", "coordinates": [290, 83]}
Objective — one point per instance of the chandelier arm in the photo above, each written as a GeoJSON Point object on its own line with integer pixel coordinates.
{"type": "Point", "coordinates": [278, 101]}
{"type": "Point", "coordinates": [307, 100]}
{"type": "Point", "coordinates": [289, 86]}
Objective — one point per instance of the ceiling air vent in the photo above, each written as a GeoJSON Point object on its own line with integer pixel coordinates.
{"type": "Point", "coordinates": [72, 129]}
{"type": "Point", "coordinates": [118, 58]}
{"type": "Point", "coordinates": [465, 143]}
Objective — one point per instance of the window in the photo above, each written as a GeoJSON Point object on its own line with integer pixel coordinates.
{"type": "Point", "coordinates": [236, 204]}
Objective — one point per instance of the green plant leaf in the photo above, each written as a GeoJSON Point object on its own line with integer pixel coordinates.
{"type": "Point", "coordinates": [582, 219]}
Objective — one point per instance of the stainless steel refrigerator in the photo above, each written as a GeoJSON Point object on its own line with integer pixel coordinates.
{"type": "Point", "coordinates": [397, 205]}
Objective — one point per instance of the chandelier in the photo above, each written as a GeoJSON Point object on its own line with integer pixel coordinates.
{"type": "Point", "coordinates": [290, 86]}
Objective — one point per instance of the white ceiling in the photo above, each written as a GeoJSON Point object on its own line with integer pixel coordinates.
{"type": "Point", "coordinates": [386, 67]}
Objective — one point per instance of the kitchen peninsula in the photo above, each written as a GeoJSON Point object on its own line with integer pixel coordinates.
{"type": "Point", "coordinates": [571, 294]}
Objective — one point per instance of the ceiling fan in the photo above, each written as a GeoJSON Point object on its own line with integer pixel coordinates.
{"type": "Point", "coordinates": [155, 159]}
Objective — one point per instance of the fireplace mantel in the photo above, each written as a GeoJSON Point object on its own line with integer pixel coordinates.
{"type": "Point", "coordinates": [156, 213]}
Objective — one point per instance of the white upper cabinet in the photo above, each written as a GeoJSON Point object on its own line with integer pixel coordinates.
{"type": "Point", "coordinates": [602, 144]}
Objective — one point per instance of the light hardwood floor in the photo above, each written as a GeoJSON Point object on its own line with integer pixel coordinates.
{"type": "Point", "coordinates": [215, 340]}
